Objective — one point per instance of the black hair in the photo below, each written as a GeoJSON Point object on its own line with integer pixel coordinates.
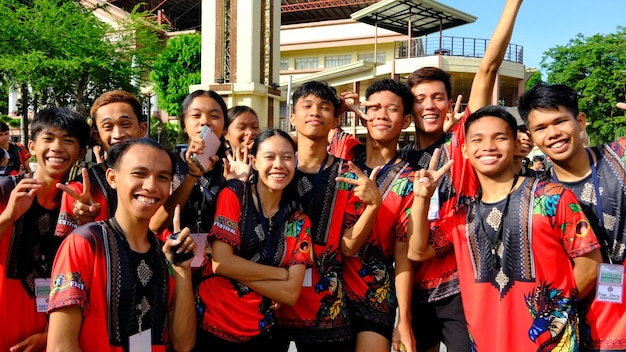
{"type": "Point", "coordinates": [64, 119]}
{"type": "Point", "coordinates": [208, 93]}
{"type": "Point", "coordinates": [271, 132]}
{"type": "Point", "coordinates": [3, 126]}
{"type": "Point", "coordinates": [235, 112]}
{"type": "Point", "coordinates": [318, 89]}
{"type": "Point", "coordinates": [549, 97]}
{"type": "Point", "coordinates": [118, 150]}
{"type": "Point", "coordinates": [493, 111]}
{"type": "Point", "coordinates": [430, 74]}
{"type": "Point", "coordinates": [397, 88]}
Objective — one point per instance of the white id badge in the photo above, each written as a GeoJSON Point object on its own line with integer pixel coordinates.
{"type": "Point", "coordinates": [308, 278]}
{"type": "Point", "coordinates": [42, 294]}
{"type": "Point", "coordinates": [140, 342]}
{"type": "Point", "coordinates": [201, 243]}
{"type": "Point", "coordinates": [610, 287]}
{"type": "Point", "coordinates": [433, 209]}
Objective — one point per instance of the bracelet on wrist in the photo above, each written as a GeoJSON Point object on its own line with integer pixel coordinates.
{"type": "Point", "coordinates": [192, 175]}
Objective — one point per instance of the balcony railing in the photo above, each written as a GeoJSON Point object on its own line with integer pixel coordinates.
{"type": "Point", "coordinates": [453, 46]}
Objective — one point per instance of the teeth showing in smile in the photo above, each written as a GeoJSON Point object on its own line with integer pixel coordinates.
{"type": "Point", "coordinates": [487, 158]}
{"type": "Point", "coordinates": [277, 175]}
{"type": "Point", "coordinates": [557, 145]}
{"type": "Point", "coordinates": [56, 160]}
{"type": "Point", "coordinates": [146, 200]}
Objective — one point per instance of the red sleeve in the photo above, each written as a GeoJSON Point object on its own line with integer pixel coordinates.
{"type": "Point", "coordinates": [24, 153]}
{"type": "Point", "coordinates": [298, 237]}
{"type": "Point", "coordinates": [72, 274]}
{"type": "Point", "coordinates": [463, 176]}
{"type": "Point", "coordinates": [577, 235]}
{"type": "Point", "coordinates": [441, 236]}
{"type": "Point", "coordinates": [402, 223]}
{"type": "Point", "coordinates": [343, 145]}
{"type": "Point", "coordinates": [67, 221]}
{"type": "Point", "coordinates": [226, 224]}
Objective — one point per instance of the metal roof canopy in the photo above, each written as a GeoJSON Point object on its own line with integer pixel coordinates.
{"type": "Point", "coordinates": [421, 17]}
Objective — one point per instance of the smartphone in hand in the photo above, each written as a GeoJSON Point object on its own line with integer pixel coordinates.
{"type": "Point", "coordinates": [211, 146]}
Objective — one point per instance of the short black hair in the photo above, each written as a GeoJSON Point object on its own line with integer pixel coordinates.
{"type": "Point", "coordinates": [397, 88]}
{"type": "Point", "coordinates": [118, 150]}
{"type": "Point", "coordinates": [208, 93]}
{"type": "Point", "coordinates": [271, 132]}
{"type": "Point", "coordinates": [3, 126]}
{"type": "Point", "coordinates": [64, 119]}
{"type": "Point", "coordinates": [548, 97]}
{"type": "Point", "coordinates": [318, 89]}
{"type": "Point", "coordinates": [493, 111]}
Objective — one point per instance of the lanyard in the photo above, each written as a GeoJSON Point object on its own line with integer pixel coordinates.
{"type": "Point", "coordinates": [493, 263]}
{"type": "Point", "coordinates": [318, 176]}
{"type": "Point", "coordinates": [265, 225]}
{"type": "Point", "coordinates": [387, 165]}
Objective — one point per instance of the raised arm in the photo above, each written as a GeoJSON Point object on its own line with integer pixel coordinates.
{"type": "Point", "coordinates": [424, 186]}
{"type": "Point", "coordinates": [366, 190]}
{"type": "Point", "coordinates": [484, 80]}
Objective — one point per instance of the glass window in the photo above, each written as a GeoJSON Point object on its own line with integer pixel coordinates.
{"type": "Point", "coordinates": [284, 64]}
{"type": "Point", "coordinates": [381, 58]}
{"type": "Point", "coordinates": [337, 60]}
{"type": "Point", "coordinates": [307, 63]}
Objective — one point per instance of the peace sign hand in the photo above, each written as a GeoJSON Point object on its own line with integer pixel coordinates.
{"type": "Point", "coordinates": [454, 117]}
{"type": "Point", "coordinates": [86, 209]}
{"type": "Point", "coordinates": [426, 181]}
{"type": "Point", "coordinates": [365, 187]}
{"type": "Point", "coordinates": [179, 248]}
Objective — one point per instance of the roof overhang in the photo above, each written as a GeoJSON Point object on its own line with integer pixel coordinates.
{"type": "Point", "coordinates": [422, 16]}
{"type": "Point", "coordinates": [335, 73]}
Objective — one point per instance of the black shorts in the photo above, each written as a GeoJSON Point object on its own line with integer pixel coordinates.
{"type": "Point", "coordinates": [360, 324]}
{"type": "Point", "coordinates": [207, 342]}
{"type": "Point", "coordinates": [441, 321]}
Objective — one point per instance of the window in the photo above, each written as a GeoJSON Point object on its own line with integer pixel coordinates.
{"type": "Point", "coordinates": [284, 64]}
{"type": "Point", "coordinates": [381, 58]}
{"type": "Point", "coordinates": [306, 63]}
{"type": "Point", "coordinates": [338, 60]}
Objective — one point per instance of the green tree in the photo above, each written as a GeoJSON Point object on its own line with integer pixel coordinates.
{"type": "Point", "coordinates": [67, 56]}
{"type": "Point", "coordinates": [175, 69]}
{"type": "Point", "coordinates": [533, 80]}
{"type": "Point", "coordinates": [595, 67]}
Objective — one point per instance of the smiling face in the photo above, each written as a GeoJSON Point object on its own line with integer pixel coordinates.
{"type": "Point", "coordinates": [526, 144]}
{"type": "Point", "coordinates": [490, 146]}
{"type": "Point", "coordinates": [142, 179]}
{"type": "Point", "coordinates": [313, 116]}
{"type": "Point", "coordinates": [245, 125]}
{"type": "Point", "coordinates": [430, 107]}
{"type": "Point", "coordinates": [387, 117]}
{"type": "Point", "coordinates": [204, 111]}
{"type": "Point", "coordinates": [117, 122]}
{"type": "Point", "coordinates": [275, 161]}
{"type": "Point", "coordinates": [56, 152]}
{"type": "Point", "coordinates": [557, 133]}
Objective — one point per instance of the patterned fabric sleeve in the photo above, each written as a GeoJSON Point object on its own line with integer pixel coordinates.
{"type": "Point", "coordinates": [619, 147]}
{"type": "Point", "coordinates": [577, 236]}
{"type": "Point", "coordinates": [24, 153]}
{"type": "Point", "coordinates": [72, 275]}
{"type": "Point", "coordinates": [402, 222]}
{"type": "Point", "coordinates": [299, 232]}
{"type": "Point", "coordinates": [67, 221]}
{"type": "Point", "coordinates": [344, 145]}
{"type": "Point", "coordinates": [440, 238]}
{"type": "Point", "coordinates": [226, 224]}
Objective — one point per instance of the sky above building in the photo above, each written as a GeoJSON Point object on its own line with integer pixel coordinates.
{"type": "Point", "coordinates": [542, 24]}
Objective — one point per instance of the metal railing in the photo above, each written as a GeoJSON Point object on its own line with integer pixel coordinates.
{"type": "Point", "coordinates": [453, 46]}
